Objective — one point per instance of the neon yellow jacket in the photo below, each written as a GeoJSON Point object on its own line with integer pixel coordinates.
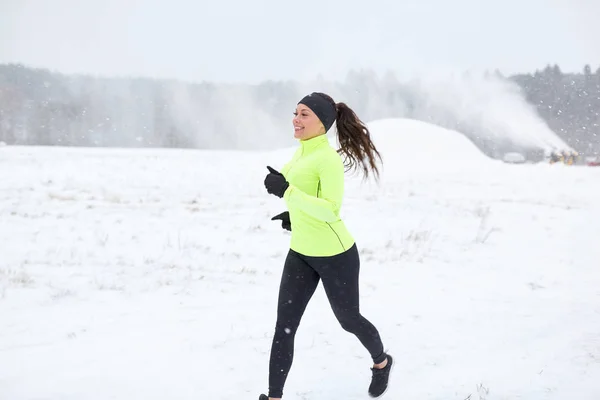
{"type": "Point", "coordinates": [314, 199]}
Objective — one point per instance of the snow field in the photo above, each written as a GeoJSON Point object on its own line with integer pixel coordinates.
{"type": "Point", "coordinates": [153, 274]}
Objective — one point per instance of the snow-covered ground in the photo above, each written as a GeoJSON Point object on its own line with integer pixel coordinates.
{"type": "Point", "coordinates": [153, 274]}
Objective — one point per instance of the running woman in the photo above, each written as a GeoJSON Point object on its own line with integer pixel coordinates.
{"type": "Point", "coordinates": [321, 247]}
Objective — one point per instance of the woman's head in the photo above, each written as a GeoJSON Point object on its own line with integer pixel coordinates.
{"type": "Point", "coordinates": [314, 116]}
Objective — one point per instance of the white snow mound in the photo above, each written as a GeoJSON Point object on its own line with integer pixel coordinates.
{"type": "Point", "coordinates": [399, 139]}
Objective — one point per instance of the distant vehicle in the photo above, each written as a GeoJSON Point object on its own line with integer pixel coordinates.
{"type": "Point", "coordinates": [514, 158]}
{"type": "Point", "coordinates": [593, 161]}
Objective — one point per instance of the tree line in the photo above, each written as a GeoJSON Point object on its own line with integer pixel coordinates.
{"type": "Point", "coordinates": [569, 103]}
{"type": "Point", "coordinates": [41, 107]}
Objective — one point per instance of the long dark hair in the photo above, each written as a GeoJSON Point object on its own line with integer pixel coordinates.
{"type": "Point", "coordinates": [354, 137]}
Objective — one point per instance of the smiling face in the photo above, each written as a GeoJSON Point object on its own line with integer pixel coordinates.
{"type": "Point", "coordinates": [306, 123]}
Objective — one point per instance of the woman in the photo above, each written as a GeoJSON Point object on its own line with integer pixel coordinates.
{"type": "Point", "coordinates": [321, 248]}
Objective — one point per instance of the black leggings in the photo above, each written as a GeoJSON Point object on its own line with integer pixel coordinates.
{"type": "Point", "coordinates": [301, 275]}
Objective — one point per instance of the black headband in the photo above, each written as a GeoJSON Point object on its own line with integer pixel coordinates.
{"type": "Point", "coordinates": [322, 107]}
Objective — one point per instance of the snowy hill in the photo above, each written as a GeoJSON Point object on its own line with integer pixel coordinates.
{"type": "Point", "coordinates": [418, 141]}
{"type": "Point", "coordinates": [153, 274]}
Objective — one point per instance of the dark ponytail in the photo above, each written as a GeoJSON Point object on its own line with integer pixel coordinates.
{"type": "Point", "coordinates": [355, 141]}
{"type": "Point", "coordinates": [354, 137]}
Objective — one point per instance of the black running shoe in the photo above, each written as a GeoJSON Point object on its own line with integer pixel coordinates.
{"type": "Point", "coordinates": [379, 380]}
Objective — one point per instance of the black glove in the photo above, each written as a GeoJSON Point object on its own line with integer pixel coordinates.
{"type": "Point", "coordinates": [275, 183]}
{"type": "Point", "coordinates": [285, 220]}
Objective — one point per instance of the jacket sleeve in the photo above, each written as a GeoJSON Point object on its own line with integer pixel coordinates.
{"type": "Point", "coordinates": [326, 206]}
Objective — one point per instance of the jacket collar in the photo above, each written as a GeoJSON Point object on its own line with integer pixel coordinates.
{"type": "Point", "coordinates": [312, 143]}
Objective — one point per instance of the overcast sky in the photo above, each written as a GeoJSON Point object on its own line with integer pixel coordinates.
{"type": "Point", "coordinates": [242, 40]}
